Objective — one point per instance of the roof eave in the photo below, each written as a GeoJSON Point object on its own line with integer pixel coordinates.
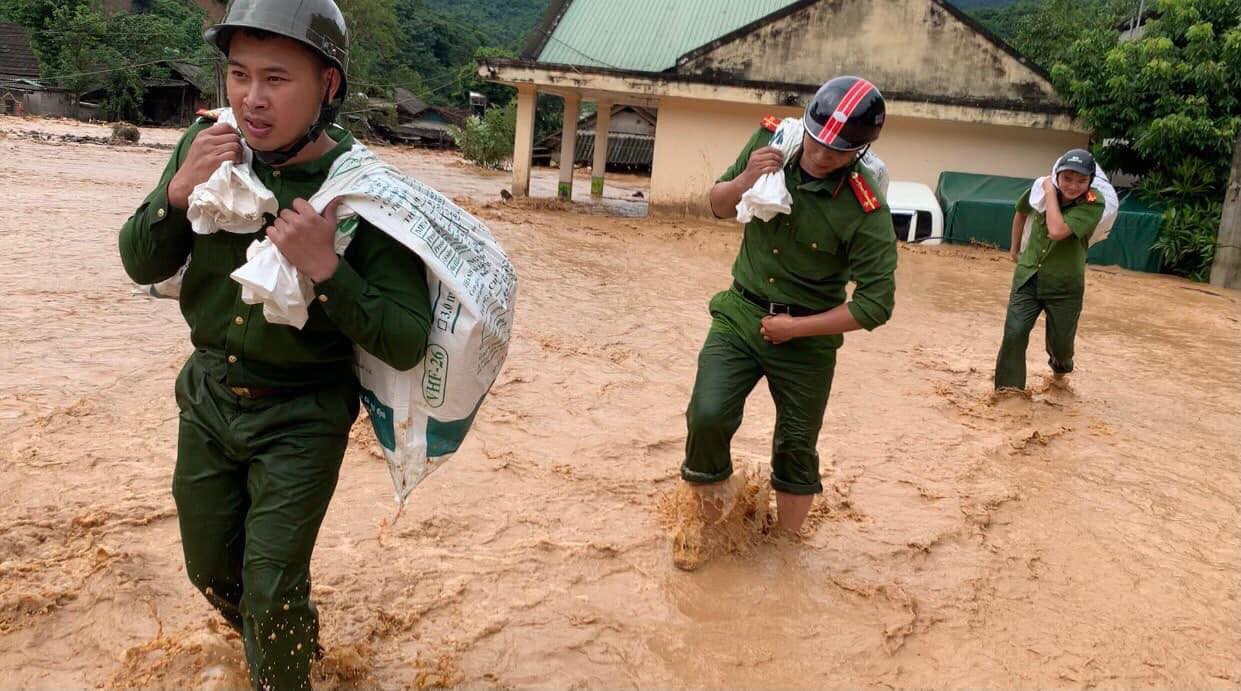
{"type": "Point", "coordinates": [543, 31]}
{"type": "Point", "coordinates": [553, 77]}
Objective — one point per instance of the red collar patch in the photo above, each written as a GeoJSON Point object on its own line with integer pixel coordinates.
{"type": "Point", "coordinates": [865, 195]}
{"type": "Point", "coordinates": [770, 123]}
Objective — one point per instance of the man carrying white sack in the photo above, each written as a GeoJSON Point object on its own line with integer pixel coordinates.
{"type": "Point", "coordinates": [785, 315]}
{"type": "Point", "coordinates": [266, 409]}
{"type": "Point", "coordinates": [1051, 270]}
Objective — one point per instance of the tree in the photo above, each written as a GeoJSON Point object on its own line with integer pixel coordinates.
{"type": "Point", "coordinates": [488, 141]}
{"type": "Point", "coordinates": [1166, 108]}
{"type": "Point", "coordinates": [374, 41]}
{"type": "Point", "coordinates": [1043, 30]}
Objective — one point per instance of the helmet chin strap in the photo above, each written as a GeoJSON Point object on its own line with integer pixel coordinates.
{"type": "Point", "coordinates": [327, 115]}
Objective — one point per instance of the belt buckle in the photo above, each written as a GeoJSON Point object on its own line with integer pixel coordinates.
{"type": "Point", "coordinates": [241, 391]}
{"type": "Point", "coordinates": [774, 308]}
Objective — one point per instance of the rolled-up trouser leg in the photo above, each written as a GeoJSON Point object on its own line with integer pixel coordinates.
{"type": "Point", "coordinates": [727, 373]}
{"type": "Point", "coordinates": [800, 380]}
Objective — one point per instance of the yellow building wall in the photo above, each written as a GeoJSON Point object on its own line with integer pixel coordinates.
{"type": "Point", "coordinates": [913, 49]}
{"type": "Point", "coordinates": [695, 141]}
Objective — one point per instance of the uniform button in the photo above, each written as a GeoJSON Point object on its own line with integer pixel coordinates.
{"type": "Point", "coordinates": [276, 174]}
{"type": "Point", "coordinates": [814, 245]}
{"type": "Point", "coordinates": [322, 298]}
{"type": "Point", "coordinates": [238, 320]}
{"type": "Point", "coordinates": [232, 359]}
{"type": "Point", "coordinates": [776, 251]}
{"type": "Point", "coordinates": [771, 280]}
{"type": "Point", "coordinates": [161, 213]}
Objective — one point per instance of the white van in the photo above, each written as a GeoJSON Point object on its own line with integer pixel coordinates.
{"type": "Point", "coordinates": [916, 215]}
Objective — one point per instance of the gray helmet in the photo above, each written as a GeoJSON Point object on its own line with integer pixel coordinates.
{"type": "Point", "coordinates": [1078, 161]}
{"type": "Point", "coordinates": [317, 23]}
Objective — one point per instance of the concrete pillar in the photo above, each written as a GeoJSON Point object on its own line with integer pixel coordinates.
{"type": "Point", "coordinates": [523, 145]}
{"type": "Point", "coordinates": [1226, 268]}
{"type": "Point", "coordinates": [603, 122]}
{"type": "Point", "coordinates": [568, 145]}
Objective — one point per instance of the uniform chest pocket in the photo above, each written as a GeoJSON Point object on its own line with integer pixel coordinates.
{"type": "Point", "coordinates": [820, 253]}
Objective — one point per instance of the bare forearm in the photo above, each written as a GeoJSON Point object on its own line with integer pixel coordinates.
{"type": "Point", "coordinates": [837, 320]}
{"type": "Point", "coordinates": [1057, 229]}
{"type": "Point", "coordinates": [1019, 228]}
{"type": "Point", "coordinates": [726, 195]}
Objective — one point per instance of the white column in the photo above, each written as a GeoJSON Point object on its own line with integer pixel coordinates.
{"type": "Point", "coordinates": [603, 122]}
{"type": "Point", "coordinates": [523, 145]}
{"type": "Point", "coordinates": [568, 145]}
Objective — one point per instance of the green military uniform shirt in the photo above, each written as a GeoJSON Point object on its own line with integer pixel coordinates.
{"type": "Point", "coordinates": [377, 298]}
{"type": "Point", "coordinates": [807, 257]}
{"type": "Point", "coordinates": [1060, 264]}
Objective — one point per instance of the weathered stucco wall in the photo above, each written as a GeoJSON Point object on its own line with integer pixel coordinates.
{"type": "Point", "coordinates": [696, 140]}
{"type": "Point", "coordinates": [909, 48]}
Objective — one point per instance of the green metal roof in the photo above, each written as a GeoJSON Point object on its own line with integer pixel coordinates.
{"type": "Point", "coordinates": [645, 35]}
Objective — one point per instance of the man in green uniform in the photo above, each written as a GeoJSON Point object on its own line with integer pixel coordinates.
{"type": "Point", "coordinates": [266, 409]}
{"type": "Point", "coordinates": [1051, 272]}
{"type": "Point", "coordinates": [785, 314]}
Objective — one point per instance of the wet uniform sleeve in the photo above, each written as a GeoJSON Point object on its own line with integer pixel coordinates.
{"type": "Point", "coordinates": [1023, 204]}
{"type": "Point", "coordinates": [156, 240]}
{"type": "Point", "coordinates": [1082, 219]}
{"type": "Point", "coordinates": [757, 141]}
{"type": "Point", "coordinates": [379, 298]}
{"type": "Point", "coordinates": [872, 265]}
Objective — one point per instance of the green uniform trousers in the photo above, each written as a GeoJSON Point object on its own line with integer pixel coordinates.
{"type": "Point", "coordinates": [252, 483]}
{"type": "Point", "coordinates": [733, 359]}
{"type": "Point", "coordinates": [1024, 306]}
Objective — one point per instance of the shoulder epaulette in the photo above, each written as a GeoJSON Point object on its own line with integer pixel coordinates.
{"type": "Point", "coordinates": [865, 195]}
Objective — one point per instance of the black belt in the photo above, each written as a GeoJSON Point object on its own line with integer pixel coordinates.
{"type": "Point", "coordinates": [773, 307]}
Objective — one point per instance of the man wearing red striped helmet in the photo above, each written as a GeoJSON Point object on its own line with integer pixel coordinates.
{"type": "Point", "coordinates": [786, 312]}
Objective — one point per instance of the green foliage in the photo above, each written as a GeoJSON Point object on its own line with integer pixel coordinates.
{"type": "Point", "coordinates": [505, 23]}
{"type": "Point", "coordinates": [488, 141]}
{"type": "Point", "coordinates": [1042, 30]}
{"type": "Point", "coordinates": [1167, 108]}
{"type": "Point", "coordinates": [82, 47]}
{"type": "Point", "coordinates": [426, 46]}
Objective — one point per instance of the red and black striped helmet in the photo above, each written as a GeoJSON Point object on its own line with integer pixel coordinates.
{"type": "Point", "coordinates": [846, 114]}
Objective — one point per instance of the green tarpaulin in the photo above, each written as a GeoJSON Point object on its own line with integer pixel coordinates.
{"type": "Point", "coordinates": [979, 208]}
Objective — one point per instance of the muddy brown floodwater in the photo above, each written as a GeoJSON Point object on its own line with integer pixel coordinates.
{"type": "Point", "coordinates": [1072, 538]}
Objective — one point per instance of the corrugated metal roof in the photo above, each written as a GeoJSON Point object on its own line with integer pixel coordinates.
{"type": "Point", "coordinates": [16, 57]}
{"type": "Point", "coordinates": [646, 35]}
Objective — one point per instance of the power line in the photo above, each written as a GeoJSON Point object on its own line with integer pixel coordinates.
{"type": "Point", "coordinates": [583, 54]}
{"type": "Point", "coordinates": [122, 69]}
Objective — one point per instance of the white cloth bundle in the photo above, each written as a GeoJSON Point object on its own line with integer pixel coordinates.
{"type": "Point", "coordinates": [770, 196]}
{"type": "Point", "coordinates": [232, 199]}
{"type": "Point", "coordinates": [1101, 184]}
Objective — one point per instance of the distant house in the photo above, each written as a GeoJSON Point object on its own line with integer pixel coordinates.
{"type": "Point", "coordinates": [631, 140]}
{"type": "Point", "coordinates": [20, 91]}
{"type": "Point", "coordinates": [422, 124]}
{"type": "Point", "coordinates": [168, 101]}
